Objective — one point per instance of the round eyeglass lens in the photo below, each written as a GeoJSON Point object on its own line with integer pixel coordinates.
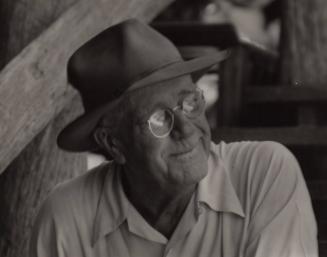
{"type": "Point", "coordinates": [193, 104]}
{"type": "Point", "coordinates": [161, 123]}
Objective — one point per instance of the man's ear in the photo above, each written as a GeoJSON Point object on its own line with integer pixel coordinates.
{"type": "Point", "coordinates": [110, 144]}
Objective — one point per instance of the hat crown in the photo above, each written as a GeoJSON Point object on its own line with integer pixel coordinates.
{"type": "Point", "coordinates": [104, 67]}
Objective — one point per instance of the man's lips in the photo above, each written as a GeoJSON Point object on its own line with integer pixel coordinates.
{"type": "Point", "coordinates": [185, 153]}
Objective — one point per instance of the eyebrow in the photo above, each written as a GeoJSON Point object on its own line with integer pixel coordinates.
{"type": "Point", "coordinates": [180, 94]}
{"type": "Point", "coordinates": [185, 92]}
{"type": "Point", "coordinates": [144, 114]}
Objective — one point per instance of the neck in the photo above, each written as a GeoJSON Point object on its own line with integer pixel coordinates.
{"type": "Point", "coordinates": [161, 206]}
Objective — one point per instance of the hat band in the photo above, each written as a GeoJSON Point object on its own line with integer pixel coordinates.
{"type": "Point", "coordinates": [136, 85]}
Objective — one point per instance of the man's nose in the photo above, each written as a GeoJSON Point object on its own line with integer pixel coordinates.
{"type": "Point", "coordinates": [183, 126]}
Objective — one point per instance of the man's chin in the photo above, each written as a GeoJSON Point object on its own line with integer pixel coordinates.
{"type": "Point", "coordinates": [193, 171]}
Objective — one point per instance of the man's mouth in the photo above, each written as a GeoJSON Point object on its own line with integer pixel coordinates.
{"type": "Point", "coordinates": [186, 154]}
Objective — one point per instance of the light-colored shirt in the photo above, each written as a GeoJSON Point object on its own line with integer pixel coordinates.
{"type": "Point", "coordinates": [252, 203]}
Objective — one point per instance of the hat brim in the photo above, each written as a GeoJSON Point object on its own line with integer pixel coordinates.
{"type": "Point", "coordinates": [78, 135]}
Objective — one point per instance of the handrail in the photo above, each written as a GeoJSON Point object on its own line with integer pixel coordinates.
{"type": "Point", "coordinates": [290, 136]}
{"type": "Point", "coordinates": [277, 94]}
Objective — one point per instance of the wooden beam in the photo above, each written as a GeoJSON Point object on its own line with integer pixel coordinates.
{"type": "Point", "coordinates": [318, 189]}
{"type": "Point", "coordinates": [285, 94]}
{"type": "Point", "coordinates": [33, 85]}
{"type": "Point", "coordinates": [291, 136]}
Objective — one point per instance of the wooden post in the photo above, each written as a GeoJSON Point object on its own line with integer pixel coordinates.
{"type": "Point", "coordinates": [233, 80]}
{"type": "Point", "coordinates": [41, 165]}
{"type": "Point", "coordinates": [304, 42]}
{"type": "Point", "coordinates": [304, 62]}
{"type": "Point", "coordinates": [28, 179]}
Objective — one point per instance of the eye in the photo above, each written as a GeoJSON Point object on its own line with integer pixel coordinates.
{"type": "Point", "coordinates": [161, 122]}
{"type": "Point", "coordinates": [189, 105]}
{"type": "Point", "coordinates": [194, 103]}
{"type": "Point", "coordinates": [159, 118]}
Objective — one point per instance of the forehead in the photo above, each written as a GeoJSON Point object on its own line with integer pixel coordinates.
{"type": "Point", "coordinates": [165, 93]}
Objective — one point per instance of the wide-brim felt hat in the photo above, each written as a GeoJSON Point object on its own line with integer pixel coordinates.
{"type": "Point", "coordinates": [125, 57]}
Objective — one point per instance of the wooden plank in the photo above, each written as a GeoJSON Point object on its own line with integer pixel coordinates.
{"type": "Point", "coordinates": [26, 183]}
{"type": "Point", "coordinates": [313, 162]}
{"type": "Point", "coordinates": [285, 94]}
{"type": "Point", "coordinates": [41, 165]}
{"type": "Point", "coordinates": [292, 136]}
{"type": "Point", "coordinates": [22, 21]}
{"type": "Point", "coordinates": [322, 248]}
{"type": "Point", "coordinates": [320, 209]}
{"type": "Point", "coordinates": [232, 79]}
{"type": "Point", "coordinates": [322, 231]}
{"type": "Point", "coordinates": [307, 116]}
{"type": "Point", "coordinates": [33, 85]}
{"type": "Point", "coordinates": [318, 189]}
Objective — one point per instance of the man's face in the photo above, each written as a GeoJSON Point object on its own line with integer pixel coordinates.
{"type": "Point", "coordinates": [181, 157]}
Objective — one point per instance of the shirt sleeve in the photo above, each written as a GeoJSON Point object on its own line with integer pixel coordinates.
{"type": "Point", "coordinates": [282, 222]}
{"type": "Point", "coordinates": [46, 240]}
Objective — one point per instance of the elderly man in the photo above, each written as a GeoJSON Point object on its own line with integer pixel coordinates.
{"type": "Point", "coordinates": [167, 190]}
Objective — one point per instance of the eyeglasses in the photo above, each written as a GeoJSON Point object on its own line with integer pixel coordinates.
{"type": "Point", "coordinates": [161, 121]}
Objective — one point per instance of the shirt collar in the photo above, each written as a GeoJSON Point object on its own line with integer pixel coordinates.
{"type": "Point", "coordinates": [114, 209]}
{"type": "Point", "coordinates": [216, 189]}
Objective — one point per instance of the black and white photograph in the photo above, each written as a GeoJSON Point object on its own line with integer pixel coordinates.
{"type": "Point", "coordinates": [163, 128]}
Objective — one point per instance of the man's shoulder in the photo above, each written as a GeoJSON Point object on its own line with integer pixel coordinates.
{"type": "Point", "coordinates": [77, 195]}
{"type": "Point", "coordinates": [253, 154]}
{"type": "Point", "coordinates": [69, 211]}
{"type": "Point", "coordinates": [250, 149]}
{"type": "Point", "coordinates": [252, 165]}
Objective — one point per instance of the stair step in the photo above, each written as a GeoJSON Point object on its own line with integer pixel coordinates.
{"type": "Point", "coordinates": [285, 94]}
{"type": "Point", "coordinates": [322, 231]}
{"type": "Point", "coordinates": [291, 136]}
{"type": "Point", "coordinates": [318, 189]}
{"type": "Point", "coordinates": [320, 210]}
{"type": "Point", "coordinates": [313, 161]}
{"type": "Point", "coordinates": [322, 249]}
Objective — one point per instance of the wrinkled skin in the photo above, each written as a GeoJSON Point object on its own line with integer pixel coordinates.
{"type": "Point", "coordinates": [181, 158]}
{"type": "Point", "coordinates": [161, 174]}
